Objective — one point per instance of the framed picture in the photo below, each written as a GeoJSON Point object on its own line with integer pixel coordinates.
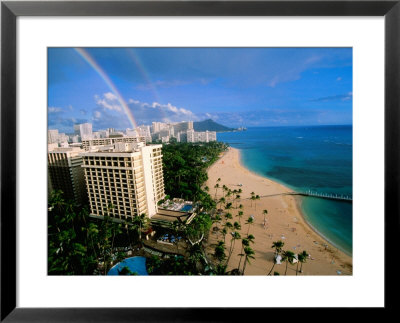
{"type": "Point", "coordinates": [368, 29]}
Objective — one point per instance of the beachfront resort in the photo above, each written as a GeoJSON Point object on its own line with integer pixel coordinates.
{"type": "Point", "coordinates": [222, 220]}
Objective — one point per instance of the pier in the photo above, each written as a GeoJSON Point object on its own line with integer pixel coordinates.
{"type": "Point", "coordinates": [346, 198]}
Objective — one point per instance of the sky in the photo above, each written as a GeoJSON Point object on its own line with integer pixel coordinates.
{"type": "Point", "coordinates": [251, 87]}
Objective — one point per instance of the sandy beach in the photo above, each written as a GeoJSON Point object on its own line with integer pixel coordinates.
{"type": "Point", "coordinates": [284, 222]}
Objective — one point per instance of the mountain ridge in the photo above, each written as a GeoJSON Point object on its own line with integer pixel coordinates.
{"type": "Point", "coordinates": [210, 125]}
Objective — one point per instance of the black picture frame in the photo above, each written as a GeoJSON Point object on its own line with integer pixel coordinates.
{"type": "Point", "coordinates": [10, 10]}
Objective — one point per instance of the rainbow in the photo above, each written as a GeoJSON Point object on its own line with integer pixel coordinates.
{"type": "Point", "coordinates": [140, 66]}
{"type": "Point", "coordinates": [89, 59]}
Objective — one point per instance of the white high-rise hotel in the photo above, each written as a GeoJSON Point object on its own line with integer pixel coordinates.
{"type": "Point", "coordinates": [84, 130]}
{"type": "Point", "coordinates": [128, 177]}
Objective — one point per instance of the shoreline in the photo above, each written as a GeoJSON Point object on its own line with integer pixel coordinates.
{"type": "Point", "coordinates": [298, 201]}
{"type": "Point", "coordinates": [284, 221]}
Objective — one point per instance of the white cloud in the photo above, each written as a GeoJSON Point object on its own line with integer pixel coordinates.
{"type": "Point", "coordinates": [133, 101]}
{"type": "Point", "coordinates": [54, 109]}
{"type": "Point", "coordinates": [145, 112]}
{"type": "Point", "coordinates": [108, 102]}
{"type": "Point", "coordinates": [110, 96]}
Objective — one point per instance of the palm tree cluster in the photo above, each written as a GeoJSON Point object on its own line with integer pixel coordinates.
{"type": "Point", "coordinates": [288, 257]}
{"type": "Point", "coordinates": [227, 203]}
{"type": "Point", "coordinates": [190, 260]}
{"type": "Point", "coordinates": [77, 244]}
{"type": "Point", "coordinates": [185, 168]}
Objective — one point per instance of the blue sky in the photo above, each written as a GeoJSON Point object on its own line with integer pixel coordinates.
{"type": "Point", "coordinates": [232, 86]}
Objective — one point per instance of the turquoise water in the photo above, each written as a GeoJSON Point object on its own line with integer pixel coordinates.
{"type": "Point", "coordinates": [135, 264]}
{"type": "Point", "coordinates": [317, 158]}
{"type": "Point", "coordinates": [186, 208]}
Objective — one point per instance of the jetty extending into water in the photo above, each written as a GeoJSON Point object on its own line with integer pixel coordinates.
{"type": "Point", "coordinates": [328, 196]}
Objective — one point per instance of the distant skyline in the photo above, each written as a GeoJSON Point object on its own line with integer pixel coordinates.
{"type": "Point", "coordinates": [124, 87]}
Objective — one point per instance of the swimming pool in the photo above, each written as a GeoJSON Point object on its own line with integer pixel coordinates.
{"type": "Point", "coordinates": [186, 208]}
{"type": "Point", "coordinates": [135, 265]}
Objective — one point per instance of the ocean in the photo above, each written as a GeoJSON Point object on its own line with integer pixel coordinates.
{"type": "Point", "coordinates": [316, 158]}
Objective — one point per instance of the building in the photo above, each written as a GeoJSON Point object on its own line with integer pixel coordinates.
{"type": "Point", "coordinates": [66, 174]}
{"type": "Point", "coordinates": [111, 141]}
{"type": "Point", "coordinates": [109, 131]}
{"type": "Point", "coordinates": [131, 132]}
{"type": "Point", "coordinates": [200, 136]}
{"type": "Point", "coordinates": [183, 126]}
{"type": "Point", "coordinates": [52, 136]}
{"type": "Point", "coordinates": [144, 131]}
{"type": "Point", "coordinates": [181, 137]}
{"type": "Point", "coordinates": [128, 177]}
{"type": "Point", "coordinates": [84, 130]}
{"type": "Point", "coordinates": [158, 126]}
{"type": "Point", "coordinates": [74, 139]}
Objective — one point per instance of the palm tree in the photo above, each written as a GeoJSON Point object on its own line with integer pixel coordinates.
{"type": "Point", "coordinates": [220, 270]}
{"type": "Point", "coordinates": [216, 186]}
{"type": "Point", "coordinates": [140, 221]}
{"type": "Point", "coordinates": [219, 251]}
{"type": "Point", "coordinates": [249, 222]}
{"type": "Point", "coordinates": [195, 254]}
{"type": "Point", "coordinates": [240, 214]}
{"type": "Point", "coordinates": [224, 232]}
{"type": "Point", "coordinates": [237, 226]}
{"type": "Point", "coordinates": [217, 220]}
{"type": "Point", "coordinates": [288, 257]}
{"type": "Point", "coordinates": [224, 189]}
{"type": "Point", "coordinates": [228, 206]}
{"type": "Point", "coordinates": [252, 198]}
{"type": "Point", "coordinates": [302, 258]}
{"type": "Point", "coordinates": [228, 226]}
{"type": "Point", "coordinates": [228, 193]}
{"type": "Point", "coordinates": [228, 216]}
{"type": "Point", "coordinates": [277, 245]}
{"type": "Point", "coordinates": [221, 201]}
{"type": "Point", "coordinates": [235, 236]}
{"type": "Point", "coordinates": [257, 197]}
{"type": "Point", "coordinates": [251, 238]}
{"type": "Point", "coordinates": [237, 198]}
{"type": "Point", "coordinates": [249, 254]}
{"type": "Point", "coordinates": [116, 229]}
{"type": "Point", "coordinates": [241, 207]}
{"type": "Point", "coordinates": [245, 243]}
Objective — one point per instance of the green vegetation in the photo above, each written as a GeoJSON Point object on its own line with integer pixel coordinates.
{"type": "Point", "coordinates": [288, 256]}
{"type": "Point", "coordinates": [80, 245]}
{"type": "Point", "coordinates": [277, 245]}
{"type": "Point", "coordinates": [185, 169]}
{"type": "Point", "coordinates": [125, 271]}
